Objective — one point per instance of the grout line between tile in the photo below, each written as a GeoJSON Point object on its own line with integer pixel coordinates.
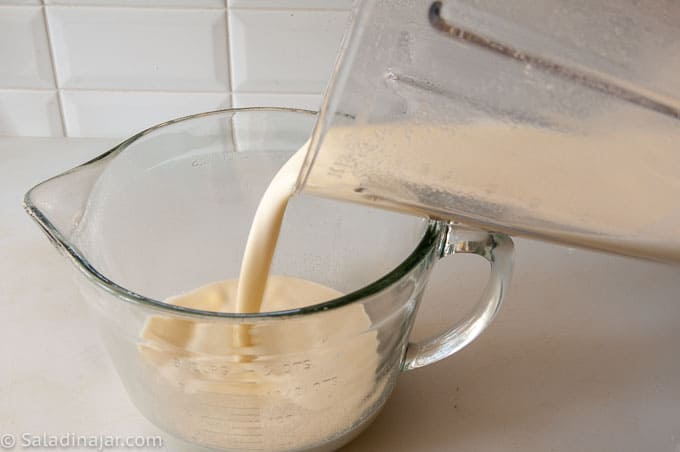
{"type": "Point", "coordinates": [230, 75]}
{"type": "Point", "coordinates": [64, 124]}
{"type": "Point", "coordinates": [9, 6]}
{"type": "Point", "coordinates": [293, 8]}
{"type": "Point", "coordinates": [27, 90]}
{"type": "Point", "coordinates": [152, 91]}
{"type": "Point", "coordinates": [157, 7]}
{"type": "Point", "coordinates": [113, 90]}
{"type": "Point", "coordinates": [53, 63]}
{"type": "Point", "coordinates": [230, 60]}
{"type": "Point", "coordinates": [279, 93]}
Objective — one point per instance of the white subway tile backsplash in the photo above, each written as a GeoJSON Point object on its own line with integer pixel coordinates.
{"type": "Point", "coordinates": [139, 48]}
{"type": "Point", "coordinates": [113, 67]}
{"type": "Point", "coordinates": [121, 114]}
{"type": "Point", "coordinates": [30, 113]}
{"type": "Point", "coordinates": [284, 50]}
{"type": "Point", "coordinates": [143, 3]}
{"type": "Point", "coordinates": [304, 101]}
{"type": "Point", "coordinates": [24, 49]}
{"type": "Point", "coordinates": [288, 4]}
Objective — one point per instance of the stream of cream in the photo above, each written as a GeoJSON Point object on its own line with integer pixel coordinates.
{"type": "Point", "coordinates": [264, 233]}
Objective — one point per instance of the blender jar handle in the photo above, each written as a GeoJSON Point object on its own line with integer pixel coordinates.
{"type": "Point", "coordinates": [498, 250]}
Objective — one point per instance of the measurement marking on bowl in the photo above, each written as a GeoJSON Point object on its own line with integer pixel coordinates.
{"type": "Point", "coordinates": [230, 434]}
{"type": "Point", "coordinates": [242, 435]}
{"type": "Point", "coordinates": [254, 444]}
{"type": "Point", "coordinates": [196, 163]}
{"type": "Point", "coordinates": [231, 407]}
{"type": "Point", "coordinates": [242, 416]}
{"type": "Point", "coordinates": [208, 417]}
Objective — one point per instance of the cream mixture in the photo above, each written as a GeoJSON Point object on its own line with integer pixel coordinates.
{"type": "Point", "coordinates": [305, 380]}
{"type": "Point", "coordinates": [613, 188]}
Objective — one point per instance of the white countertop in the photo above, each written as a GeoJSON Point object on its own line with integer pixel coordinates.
{"type": "Point", "coordinates": [584, 355]}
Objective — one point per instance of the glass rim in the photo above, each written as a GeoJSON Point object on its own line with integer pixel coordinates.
{"type": "Point", "coordinates": [423, 248]}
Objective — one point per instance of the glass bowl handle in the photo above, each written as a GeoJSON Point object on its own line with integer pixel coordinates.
{"type": "Point", "coordinates": [498, 250]}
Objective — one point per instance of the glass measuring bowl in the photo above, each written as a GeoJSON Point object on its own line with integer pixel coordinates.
{"type": "Point", "coordinates": [169, 210]}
